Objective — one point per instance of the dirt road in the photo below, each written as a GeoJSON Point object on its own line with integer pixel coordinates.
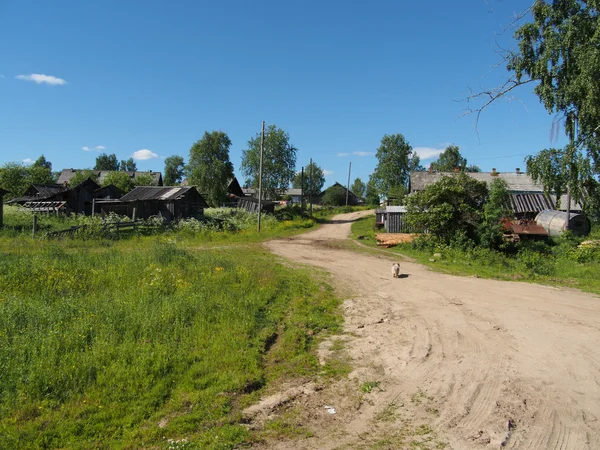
{"type": "Point", "coordinates": [442, 361]}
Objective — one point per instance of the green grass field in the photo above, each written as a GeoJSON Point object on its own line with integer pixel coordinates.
{"type": "Point", "coordinates": [101, 341]}
{"type": "Point", "coordinates": [561, 264]}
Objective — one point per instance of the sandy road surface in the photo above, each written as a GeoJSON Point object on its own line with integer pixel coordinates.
{"type": "Point", "coordinates": [456, 358]}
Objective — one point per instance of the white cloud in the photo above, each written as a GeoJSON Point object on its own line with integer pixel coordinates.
{"type": "Point", "coordinates": [100, 147]}
{"type": "Point", "coordinates": [343, 154]}
{"type": "Point", "coordinates": [426, 153]}
{"type": "Point", "coordinates": [41, 79]}
{"type": "Point", "coordinates": [144, 154]}
{"type": "Point", "coordinates": [363, 153]}
{"type": "Point", "coordinates": [86, 149]}
{"type": "Point", "coordinates": [28, 160]}
{"type": "Point", "coordinates": [327, 172]}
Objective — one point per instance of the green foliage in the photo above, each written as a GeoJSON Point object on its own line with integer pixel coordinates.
{"type": "Point", "coordinates": [128, 165]}
{"type": "Point", "coordinates": [449, 207]}
{"type": "Point", "coordinates": [372, 194]}
{"type": "Point", "coordinates": [449, 160]}
{"type": "Point", "coordinates": [174, 170]}
{"type": "Point", "coordinates": [394, 157]}
{"type": "Point", "coordinates": [144, 179]}
{"type": "Point", "coordinates": [209, 167]}
{"type": "Point", "coordinates": [82, 175]}
{"type": "Point", "coordinates": [396, 194]}
{"type": "Point", "coordinates": [106, 162]}
{"type": "Point", "coordinates": [43, 163]}
{"type": "Point", "coordinates": [97, 347]}
{"type": "Point", "coordinates": [122, 180]}
{"type": "Point", "coordinates": [279, 161]}
{"type": "Point", "coordinates": [495, 209]}
{"type": "Point", "coordinates": [359, 188]}
{"type": "Point", "coordinates": [334, 196]}
{"type": "Point", "coordinates": [16, 177]}
{"type": "Point", "coordinates": [314, 180]}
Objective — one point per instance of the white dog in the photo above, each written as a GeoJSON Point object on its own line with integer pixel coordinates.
{"type": "Point", "coordinates": [396, 270]}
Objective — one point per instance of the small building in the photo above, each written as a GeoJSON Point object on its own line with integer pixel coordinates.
{"type": "Point", "coordinates": [352, 198]}
{"type": "Point", "coordinates": [556, 222]}
{"type": "Point", "coordinates": [169, 202]}
{"type": "Point", "coordinates": [394, 221]}
{"type": "Point", "coordinates": [250, 204]}
{"type": "Point", "coordinates": [41, 192]}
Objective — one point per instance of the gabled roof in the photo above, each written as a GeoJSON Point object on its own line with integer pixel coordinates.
{"type": "Point", "coordinates": [162, 193]}
{"type": "Point", "coordinates": [67, 174]}
{"type": "Point", "coordinates": [233, 187]}
{"type": "Point", "coordinates": [338, 184]}
{"type": "Point", "coordinates": [40, 192]}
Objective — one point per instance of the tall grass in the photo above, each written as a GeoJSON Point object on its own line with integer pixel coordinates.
{"type": "Point", "coordinates": [100, 342]}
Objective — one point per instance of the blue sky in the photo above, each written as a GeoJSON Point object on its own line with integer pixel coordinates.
{"type": "Point", "coordinates": [146, 79]}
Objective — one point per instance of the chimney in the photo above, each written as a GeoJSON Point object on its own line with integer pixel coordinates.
{"type": "Point", "coordinates": [456, 169]}
{"type": "Point", "coordinates": [494, 173]}
{"type": "Point", "coordinates": [430, 168]}
{"type": "Point", "coordinates": [518, 170]}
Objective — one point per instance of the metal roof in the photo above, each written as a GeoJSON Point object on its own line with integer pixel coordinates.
{"type": "Point", "coordinates": [395, 209]}
{"type": "Point", "coordinates": [157, 193]}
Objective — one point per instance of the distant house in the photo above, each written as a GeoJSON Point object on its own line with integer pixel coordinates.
{"type": "Point", "coordinates": [234, 190]}
{"type": "Point", "coordinates": [295, 194]}
{"type": "Point", "coordinates": [527, 198]}
{"type": "Point", "coordinates": [251, 204]}
{"type": "Point", "coordinates": [168, 202]}
{"type": "Point", "coordinates": [67, 174]}
{"type": "Point", "coordinates": [352, 198]}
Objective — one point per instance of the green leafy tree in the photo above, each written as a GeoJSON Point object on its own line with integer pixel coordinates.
{"type": "Point", "coordinates": [394, 157]}
{"type": "Point", "coordinates": [144, 179]}
{"type": "Point", "coordinates": [314, 180]}
{"type": "Point", "coordinates": [334, 196]}
{"type": "Point", "coordinates": [209, 167]}
{"type": "Point", "coordinates": [472, 168]}
{"type": "Point", "coordinates": [14, 177]}
{"type": "Point", "coordinates": [279, 161]}
{"type": "Point", "coordinates": [358, 187]}
{"type": "Point", "coordinates": [174, 170]}
{"type": "Point", "coordinates": [397, 194]}
{"type": "Point", "coordinates": [414, 164]}
{"type": "Point", "coordinates": [106, 162]}
{"type": "Point", "coordinates": [82, 175]}
{"type": "Point", "coordinates": [42, 162]}
{"type": "Point", "coordinates": [453, 206]}
{"type": "Point", "coordinates": [449, 160]}
{"type": "Point", "coordinates": [120, 179]}
{"type": "Point", "coordinates": [128, 165]}
{"type": "Point", "coordinates": [495, 209]}
{"type": "Point", "coordinates": [371, 194]}
{"type": "Point", "coordinates": [558, 54]}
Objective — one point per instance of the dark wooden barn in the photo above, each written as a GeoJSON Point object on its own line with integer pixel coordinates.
{"type": "Point", "coordinates": [41, 192]}
{"type": "Point", "coordinates": [170, 203]}
{"type": "Point", "coordinates": [352, 198]}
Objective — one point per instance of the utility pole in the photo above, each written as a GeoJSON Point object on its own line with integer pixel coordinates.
{"type": "Point", "coordinates": [310, 187]}
{"type": "Point", "coordinates": [348, 185]}
{"type": "Point", "coordinates": [262, 144]}
{"type": "Point", "coordinates": [302, 191]}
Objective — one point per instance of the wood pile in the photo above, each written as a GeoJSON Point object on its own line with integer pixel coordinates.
{"type": "Point", "coordinates": [390, 239]}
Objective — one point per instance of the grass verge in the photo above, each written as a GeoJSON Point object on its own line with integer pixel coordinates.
{"type": "Point", "coordinates": [560, 263]}
{"type": "Point", "coordinates": [143, 343]}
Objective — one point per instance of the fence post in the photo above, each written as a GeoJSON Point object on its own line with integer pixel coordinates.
{"type": "Point", "coordinates": [35, 222]}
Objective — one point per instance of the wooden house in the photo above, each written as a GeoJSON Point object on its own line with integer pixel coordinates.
{"type": "Point", "coordinates": [168, 202]}
{"type": "Point", "coordinates": [352, 198]}
{"type": "Point", "coordinates": [527, 197]}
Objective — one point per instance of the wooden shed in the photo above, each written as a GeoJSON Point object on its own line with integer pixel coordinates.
{"type": "Point", "coordinates": [170, 203]}
{"type": "Point", "coordinates": [251, 204]}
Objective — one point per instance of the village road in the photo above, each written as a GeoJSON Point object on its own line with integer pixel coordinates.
{"type": "Point", "coordinates": [444, 360]}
